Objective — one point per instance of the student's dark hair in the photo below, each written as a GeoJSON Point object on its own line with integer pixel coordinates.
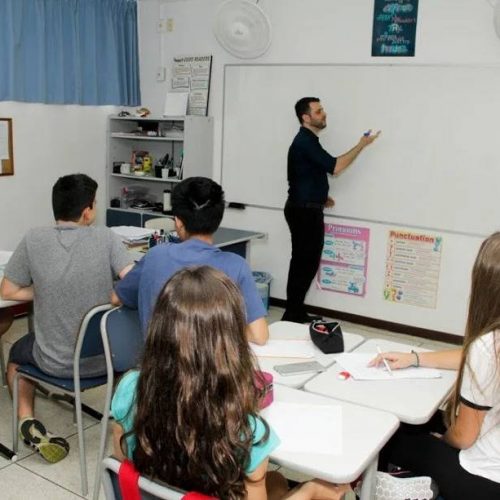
{"type": "Point", "coordinates": [199, 203]}
{"type": "Point", "coordinates": [484, 310]}
{"type": "Point", "coordinates": [196, 389]}
{"type": "Point", "coordinates": [71, 195]}
{"type": "Point", "coordinates": [302, 106]}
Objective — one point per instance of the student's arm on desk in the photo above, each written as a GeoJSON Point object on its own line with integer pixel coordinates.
{"type": "Point", "coordinates": [125, 270]}
{"type": "Point", "coordinates": [115, 300]}
{"type": "Point", "coordinates": [11, 291]}
{"type": "Point", "coordinates": [446, 360]}
{"type": "Point", "coordinates": [257, 331]}
{"type": "Point", "coordinates": [465, 431]}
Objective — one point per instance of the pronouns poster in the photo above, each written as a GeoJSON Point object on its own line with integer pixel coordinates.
{"type": "Point", "coordinates": [344, 259]}
{"type": "Point", "coordinates": [412, 268]}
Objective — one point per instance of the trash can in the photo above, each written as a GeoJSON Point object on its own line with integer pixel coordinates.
{"type": "Point", "coordinates": [263, 283]}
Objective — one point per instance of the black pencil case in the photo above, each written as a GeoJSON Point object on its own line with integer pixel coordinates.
{"type": "Point", "coordinates": [327, 336]}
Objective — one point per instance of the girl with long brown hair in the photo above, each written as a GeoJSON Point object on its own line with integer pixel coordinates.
{"type": "Point", "coordinates": [189, 416]}
{"type": "Point", "coordinates": [465, 459]}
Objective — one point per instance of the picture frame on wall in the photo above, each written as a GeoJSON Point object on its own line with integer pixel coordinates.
{"type": "Point", "coordinates": [6, 147]}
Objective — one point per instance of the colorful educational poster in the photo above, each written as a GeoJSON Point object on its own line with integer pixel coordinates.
{"type": "Point", "coordinates": [394, 28]}
{"type": "Point", "coordinates": [344, 259]}
{"type": "Point", "coordinates": [412, 268]}
{"type": "Point", "coordinates": [192, 74]}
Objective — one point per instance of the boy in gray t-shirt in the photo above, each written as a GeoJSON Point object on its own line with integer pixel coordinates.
{"type": "Point", "coordinates": [66, 270]}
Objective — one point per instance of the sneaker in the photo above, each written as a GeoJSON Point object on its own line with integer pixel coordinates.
{"type": "Point", "coordinates": [389, 487]}
{"type": "Point", "coordinates": [51, 448]}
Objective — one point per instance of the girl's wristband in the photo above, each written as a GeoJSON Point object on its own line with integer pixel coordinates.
{"type": "Point", "coordinates": [417, 359]}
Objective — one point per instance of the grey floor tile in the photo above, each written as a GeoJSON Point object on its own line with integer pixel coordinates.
{"type": "Point", "coordinates": [20, 484]}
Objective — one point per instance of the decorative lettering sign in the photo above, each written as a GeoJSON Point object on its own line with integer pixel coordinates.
{"type": "Point", "coordinates": [394, 27]}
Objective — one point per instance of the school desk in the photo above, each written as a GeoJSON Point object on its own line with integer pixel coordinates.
{"type": "Point", "coordinates": [364, 432]}
{"type": "Point", "coordinates": [413, 401]}
{"type": "Point", "coordinates": [284, 330]}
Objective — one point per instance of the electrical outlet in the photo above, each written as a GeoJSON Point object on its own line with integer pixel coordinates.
{"type": "Point", "coordinates": [161, 74]}
{"type": "Point", "coordinates": [170, 24]}
{"type": "Point", "coordinates": [161, 26]}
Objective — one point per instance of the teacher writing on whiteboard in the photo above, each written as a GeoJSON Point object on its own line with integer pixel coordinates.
{"type": "Point", "coordinates": [308, 166]}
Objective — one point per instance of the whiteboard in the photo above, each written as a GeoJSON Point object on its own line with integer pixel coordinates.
{"type": "Point", "coordinates": [436, 164]}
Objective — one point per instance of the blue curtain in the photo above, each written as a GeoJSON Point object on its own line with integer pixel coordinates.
{"type": "Point", "coordinates": [69, 52]}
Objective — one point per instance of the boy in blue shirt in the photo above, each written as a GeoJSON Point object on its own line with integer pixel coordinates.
{"type": "Point", "coordinates": [198, 208]}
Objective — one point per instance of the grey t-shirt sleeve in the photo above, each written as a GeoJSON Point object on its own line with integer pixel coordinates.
{"type": "Point", "coordinates": [119, 256]}
{"type": "Point", "coordinates": [18, 268]}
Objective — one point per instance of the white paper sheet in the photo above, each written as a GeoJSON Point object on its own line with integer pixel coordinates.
{"type": "Point", "coordinates": [285, 349]}
{"type": "Point", "coordinates": [176, 104]}
{"type": "Point", "coordinates": [357, 365]}
{"type": "Point", "coordinates": [304, 428]}
{"type": "Point", "coordinates": [132, 233]}
{"type": "Point", "coordinates": [4, 141]}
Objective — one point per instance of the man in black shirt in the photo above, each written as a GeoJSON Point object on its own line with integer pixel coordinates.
{"type": "Point", "coordinates": [308, 166]}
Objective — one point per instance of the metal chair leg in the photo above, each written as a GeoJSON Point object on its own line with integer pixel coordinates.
{"type": "Point", "coordinates": [15, 403]}
{"type": "Point", "coordinates": [2, 364]}
{"type": "Point", "coordinates": [104, 437]}
{"type": "Point", "coordinates": [81, 442]}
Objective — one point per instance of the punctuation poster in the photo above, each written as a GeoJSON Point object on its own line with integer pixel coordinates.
{"type": "Point", "coordinates": [394, 28]}
{"type": "Point", "coordinates": [344, 259]}
{"type": "Point", "coordinates": [412, 268]}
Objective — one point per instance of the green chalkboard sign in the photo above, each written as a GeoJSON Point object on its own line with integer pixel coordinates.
{"type": "Point", "coordinates": [394, 27]}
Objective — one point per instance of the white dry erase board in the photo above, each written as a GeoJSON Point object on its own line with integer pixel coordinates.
{"type": "Point", "coordinates": [436, 164]}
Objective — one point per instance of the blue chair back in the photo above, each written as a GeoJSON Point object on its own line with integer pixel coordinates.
{"type": "Point", "coordinates": [126, 341]}
{"type": "Point", "coordinates": [91, 329]}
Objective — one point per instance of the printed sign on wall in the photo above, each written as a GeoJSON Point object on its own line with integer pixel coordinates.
{"type": "Point", "coordinates": [192, 75]}
{"type": "Point", "coordinates": [344, 259]}
{"type": "Point", "coordinates": [412, 268]}
{"type": "Point", "coordinates": [394, 28]}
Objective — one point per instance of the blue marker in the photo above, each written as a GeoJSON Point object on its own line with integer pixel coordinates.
{"type": "Point", "coordinates": [367, 133]}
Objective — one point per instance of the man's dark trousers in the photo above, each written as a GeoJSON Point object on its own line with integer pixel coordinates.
{"type": "Point", "coordinates": [307, 230]}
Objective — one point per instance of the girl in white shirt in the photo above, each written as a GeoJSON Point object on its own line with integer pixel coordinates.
{"type": "Point", "coordinates": [465, 459]}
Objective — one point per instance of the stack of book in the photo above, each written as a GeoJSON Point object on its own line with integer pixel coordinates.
{"type": "Point", "coordinates": [133, 236]}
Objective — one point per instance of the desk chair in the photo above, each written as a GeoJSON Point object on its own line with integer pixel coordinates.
{"type": "Point", "coordinates": [88, 344]}
{"type": "Point", "coordinates": [165, 223]}
{"type": "Point", "coordinates": [123, 343]}
{"type": "Point", "coordinates": [149, 490]}
{"type": "Point", "coordinates": [6, 320]}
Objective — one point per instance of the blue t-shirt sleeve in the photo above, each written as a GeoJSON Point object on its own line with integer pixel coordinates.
{"type": "Point", "coordinates": [261, 449]}
{"type": "Point", "coordinates": [123, 407]}
{"type": "Point", "coordinates": [127, 289]}
{"type": "Point", "coordinates": [253, 302]}
{"type": "Point", "coordinates": [123, 400]}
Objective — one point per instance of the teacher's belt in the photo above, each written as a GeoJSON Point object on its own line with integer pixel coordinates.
{"type": "Point", "coordinates": [307, 204]}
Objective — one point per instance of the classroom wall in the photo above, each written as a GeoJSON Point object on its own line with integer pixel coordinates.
{"type": "Point", "coordinates": [329, 31]}
{"type": "Point", "coordinates": [49, 141]}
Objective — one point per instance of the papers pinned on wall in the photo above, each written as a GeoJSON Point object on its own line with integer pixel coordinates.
{"type": "Point", "coordinates": [176, 104]}
{"type": "Point", "coordinates": [357, 365]}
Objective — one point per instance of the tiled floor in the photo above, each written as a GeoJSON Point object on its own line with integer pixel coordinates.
{"type": "Point", "coordinates": [32, 478]}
